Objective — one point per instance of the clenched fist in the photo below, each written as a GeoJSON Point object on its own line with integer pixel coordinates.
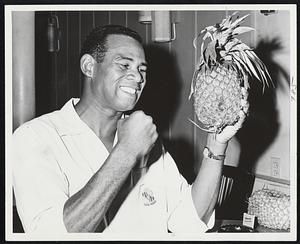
{"type": "Point", "coordinates": [137, 133]}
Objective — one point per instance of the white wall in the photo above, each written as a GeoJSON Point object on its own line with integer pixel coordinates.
{"type": "Point", "coordinates": [269, 27]}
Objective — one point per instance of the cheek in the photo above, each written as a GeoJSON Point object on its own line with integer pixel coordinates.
{"type": "Point", "coordinates": [108, 81]}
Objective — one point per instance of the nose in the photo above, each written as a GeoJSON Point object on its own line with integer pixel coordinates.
{"type": "Point", "coordinates": [136, 76]}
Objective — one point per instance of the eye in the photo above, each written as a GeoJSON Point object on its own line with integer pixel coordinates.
{"type": "Point", "coordinates": [143, 69]}
{"type": "Point", "coordinates": [124, 66]}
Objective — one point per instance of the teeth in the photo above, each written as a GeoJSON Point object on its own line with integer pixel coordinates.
{"type": "Point", "coordinates": [128, 89]}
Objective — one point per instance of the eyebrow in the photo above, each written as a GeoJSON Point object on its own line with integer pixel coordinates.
{"type": "Point", "coordinates": [130, 59]}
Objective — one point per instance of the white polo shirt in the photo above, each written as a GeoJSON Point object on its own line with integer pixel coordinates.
{"type": "Point", "coordinates": [56, 154]}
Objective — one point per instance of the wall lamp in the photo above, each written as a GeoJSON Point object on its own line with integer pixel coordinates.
{"type": "Point", "coordinates": [163, 24]}
{"type": "Point", "coordinates": [53, 33]}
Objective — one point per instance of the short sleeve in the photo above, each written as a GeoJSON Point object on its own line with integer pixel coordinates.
{"type": "Point", "coordinates": [40, 187]}
{"type": "Point", "coordinates": [183, 217]}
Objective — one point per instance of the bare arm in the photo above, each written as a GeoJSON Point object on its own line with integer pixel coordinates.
{"type": "Point", "coordinates": [84, 210]}
{"type": "Point", "coordinates": [205, 189]}
{"type": "Point", "coordinates": [206, 186]}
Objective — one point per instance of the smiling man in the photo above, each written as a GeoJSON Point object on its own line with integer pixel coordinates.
{"type": "Point", "coordinates": [89, 168]}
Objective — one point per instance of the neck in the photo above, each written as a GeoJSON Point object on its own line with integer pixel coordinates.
{"type": "Point", "coordinates": [102, 121]}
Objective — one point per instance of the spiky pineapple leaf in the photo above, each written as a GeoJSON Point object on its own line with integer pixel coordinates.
{"type": "Point", "coordinates": [245, 76]}
{"type": "Point", "coordinates": [210, 53]}
{"type": "Point", "coordinates": [227, 58]}
{"type": "Point", "coordinates": [201, 128]}
{"type": "Point", "coordinates": [202, 50]}
{"type": "Point", "coordinates": [208, 34]}
{"type": "Point", "coordinates": [240, 47]}
{"type": "Point", "coordinates": [247, 60]}
{"type": "Point", "coordinates": [239, 21]}
{"type": "Point", "coordinates": [251, 65]}
{"type": "Point", "coordinates": [224, 37]}
{"type": "Point", "coordinates": [262, 69]}
{"type": "Point", "coordinates": [193, 83]}
{"type": "Point", "coordinates": [234, 13]}
{"type": "Point", "coordinates": [230, 44]}
{"type": "Point", "coordinates": [195, 40]}
{"type": "Point", "coordinates": [209, 29]}
{"type": "Point", "coordinates": [262, 65]}
{"type": "Point", "coordinates": [236, 56]}
{"type": "Point", "coordinates": [242, 29]}
{"type": "Point", "coordinates": [227, 21]}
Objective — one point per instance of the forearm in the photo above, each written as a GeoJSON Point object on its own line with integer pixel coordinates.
{"type": "Point", "coordinates": [84, 210]}
{"type": "Point", "coordinates": [206, 186]}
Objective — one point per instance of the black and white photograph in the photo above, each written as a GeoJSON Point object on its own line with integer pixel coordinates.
{"type": "Point", "coordinates": [151, 122]}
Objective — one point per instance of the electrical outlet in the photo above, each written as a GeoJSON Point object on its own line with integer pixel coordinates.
{"type": "Point", "coordinates": [275, 166]}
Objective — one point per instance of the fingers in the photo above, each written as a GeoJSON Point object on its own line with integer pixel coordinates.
{"type": "Point", "coordinates": [141, 129]}
{"type": "Point", "coordinates": [154, 139]}
{"type": "Point", "coordinates": [244, 93]}
{"type": "Point", "coordinates": [241, 120]}
{"type": "Point", "coordinates": [244, 101]}
{"type": "Point", "coordinates": [120, 122]}
{"type": "Point", "coordinates": [229, 131]}
{"type": "Point", "coordinates": [245, 106]}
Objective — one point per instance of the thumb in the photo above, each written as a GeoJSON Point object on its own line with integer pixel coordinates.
{"type": "Point", "coordinates": [123, 119]}
{"type": "Point", "coordinates": [241, 120]}
{"type": "Point", "coordinates": [120, 122]}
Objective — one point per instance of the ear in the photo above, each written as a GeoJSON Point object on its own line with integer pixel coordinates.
{"type": "Point", "coordinates": [87, 65]}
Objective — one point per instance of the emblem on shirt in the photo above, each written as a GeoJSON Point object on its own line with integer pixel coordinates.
{"type": "Point", "coordinates": [148, 197]}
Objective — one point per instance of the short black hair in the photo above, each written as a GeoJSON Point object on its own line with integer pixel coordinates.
{"type": "Point", "coordinates": [95, 42]}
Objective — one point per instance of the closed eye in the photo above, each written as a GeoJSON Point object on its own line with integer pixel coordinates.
{"type": "Point", "coordinates": [124, 66]}
{"type": "Point", "coordinates": [143, 70]}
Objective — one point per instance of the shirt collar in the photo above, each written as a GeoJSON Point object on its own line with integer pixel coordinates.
{"type": "Point", "coordinates": [73, 123]}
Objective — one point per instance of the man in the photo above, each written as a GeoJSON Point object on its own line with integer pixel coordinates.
{"type": "Point", "coordinates": [71, 164]}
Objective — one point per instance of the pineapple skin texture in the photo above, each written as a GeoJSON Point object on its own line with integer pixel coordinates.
{"type": "Point", "coordinates": [217, 97]}
{"type": "Point", "coordinates": [271, 207]}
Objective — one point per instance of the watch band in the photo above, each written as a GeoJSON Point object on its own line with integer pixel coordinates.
{"type": "Point", "coordinates": [209, 154]}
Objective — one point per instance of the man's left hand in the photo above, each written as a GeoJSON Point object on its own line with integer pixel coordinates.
{"type": "Point", "coordinates": [229, 131]}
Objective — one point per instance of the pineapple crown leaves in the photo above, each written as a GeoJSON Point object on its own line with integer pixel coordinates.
{"type": "Point", "coordinates": [220, 46]}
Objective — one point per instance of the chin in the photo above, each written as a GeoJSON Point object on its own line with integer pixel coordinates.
{"type": "Point", "coordinates": [125, 108]}
{"type": "Point", "coordinates": [128, 105]}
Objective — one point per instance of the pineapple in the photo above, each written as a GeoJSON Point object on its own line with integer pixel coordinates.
{"type": "Point", "coordinates": [271, 207]}
{"type": "Point", "coordinates": [224, 68]}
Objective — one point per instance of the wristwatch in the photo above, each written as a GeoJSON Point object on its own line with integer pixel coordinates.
{"type": "Point", "coordinates": [208, 154]}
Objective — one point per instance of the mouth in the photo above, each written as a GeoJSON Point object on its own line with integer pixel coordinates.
{"type": "Point", "coordinates": [129, 90]}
